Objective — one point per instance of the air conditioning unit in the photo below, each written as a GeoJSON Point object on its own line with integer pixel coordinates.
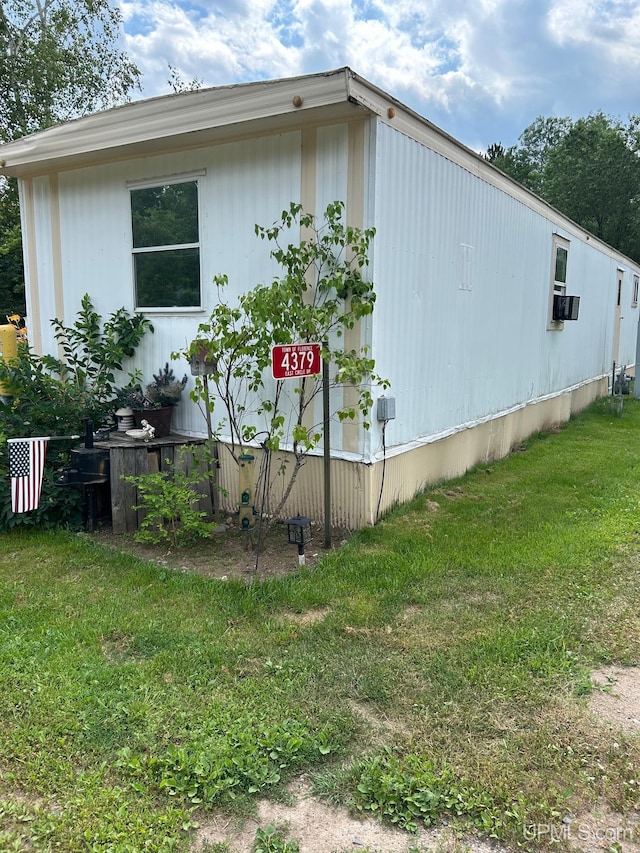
{"type": "Point", "coordinates": [565, 307]}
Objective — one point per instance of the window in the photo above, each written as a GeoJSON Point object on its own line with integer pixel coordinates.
{"type": "Point", "coordinates": [166, 245]}
{"type": "Point", "coordinates": [636, 285]}
{"type": "Point", "coordinates": [558, 276]}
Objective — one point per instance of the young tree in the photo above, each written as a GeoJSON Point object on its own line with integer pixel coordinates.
{"type": "Point", "coordinates": [321, 294]}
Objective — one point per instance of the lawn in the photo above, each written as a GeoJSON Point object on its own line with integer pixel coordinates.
{"type": "Point", "coordinates": [134, 698]}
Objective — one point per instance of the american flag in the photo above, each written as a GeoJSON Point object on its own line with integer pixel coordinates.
{"type": "Point", "coordinates": [26, 464]}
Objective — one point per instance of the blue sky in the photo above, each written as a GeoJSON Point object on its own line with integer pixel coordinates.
{"type": "Point", "coordinates": [480, 69]}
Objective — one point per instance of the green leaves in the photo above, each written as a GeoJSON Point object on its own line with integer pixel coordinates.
{"type": "Point", "coordinates": [52, 396]}
{"type": "Point", "coordinates": [588, 169]}
{"type": "Point", "coordinates": [412, 790]}
{"type": "Point", "coordinates": [59, 59]}
{"type": "Point", "coordinates": [270, 840]}
{"type": "Point", "coordinates": [168, 498]}
{"type": "Point", "coordinates": [321, 293]}
{"type": "Point", "coordinates": [241, 752]}
{"type": "Point", "coordinates": [94, 351]}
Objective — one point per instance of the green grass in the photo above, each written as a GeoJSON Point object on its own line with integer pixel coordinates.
{"type": "Point", "coordinates": [447, 680]}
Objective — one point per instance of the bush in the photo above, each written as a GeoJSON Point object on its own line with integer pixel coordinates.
{"type": "Point", "coordinates": [42, 405]}
{"type": "Point", "coordinates": [51, 397]}
{"type": "Point", "coordinates": [168, 498]}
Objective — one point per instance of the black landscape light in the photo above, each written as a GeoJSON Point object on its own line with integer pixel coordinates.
{"type": "Point", "coordinates": [299, 533]}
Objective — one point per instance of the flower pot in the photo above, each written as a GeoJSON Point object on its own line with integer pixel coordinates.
{"type": "Point", "coordinates": [160, 419]}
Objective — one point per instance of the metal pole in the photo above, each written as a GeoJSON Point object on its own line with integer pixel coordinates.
{"type": "Point", "coordinates": [613, 384]}
{"type": "Point", "coordinates": [636, 382]}
{"type": "Point", "coordinates": [327, 446]}
{"type": "Point", "coordinates": [212, 461]}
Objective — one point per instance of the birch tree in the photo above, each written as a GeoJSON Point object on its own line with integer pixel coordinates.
{"type": "Point", "coordinates": [59, 59]}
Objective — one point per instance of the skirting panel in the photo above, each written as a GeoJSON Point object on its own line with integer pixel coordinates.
{"type": "Point", "coordinates": [360, 492]}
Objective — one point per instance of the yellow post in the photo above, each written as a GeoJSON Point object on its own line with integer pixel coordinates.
{"type": "Point", "coordinates": [8, 350]}
{"type": "Point", "coordinates": [246, 487]}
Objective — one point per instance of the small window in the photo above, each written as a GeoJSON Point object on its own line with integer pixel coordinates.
{"type": "Point", "coordinates": [636, 285]}
{"type": "Point", "coordinates": [560, 260]}
{"type": "Point", "coordinates": [166, 245]}
{"type": "Point", "coordinates": [562, 254]}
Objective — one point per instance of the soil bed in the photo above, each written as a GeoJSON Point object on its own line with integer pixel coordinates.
{"type": "Point", "coordinates": [231, 552]}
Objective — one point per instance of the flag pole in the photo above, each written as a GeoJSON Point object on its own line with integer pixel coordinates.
{"type": "Point", "coordinates": [46, 438]}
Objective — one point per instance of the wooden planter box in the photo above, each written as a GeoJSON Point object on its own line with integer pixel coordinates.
{"type": "Point", "coordinates": [132, 458]}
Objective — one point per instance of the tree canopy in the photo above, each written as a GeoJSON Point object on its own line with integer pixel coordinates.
{"type": "Point", "coordinates": [59, 59]}
{"type": "Point", "coordinates": [589, 169]}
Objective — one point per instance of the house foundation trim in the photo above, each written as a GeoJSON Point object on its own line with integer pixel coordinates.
{"type": "Point", "coordinates": [356, 485]}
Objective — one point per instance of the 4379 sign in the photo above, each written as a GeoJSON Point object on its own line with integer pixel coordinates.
{"type": "Point", "coordinates": [291, 360]}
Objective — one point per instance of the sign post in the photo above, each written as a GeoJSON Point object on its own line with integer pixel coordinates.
{"type": "Point", "coordinates": [292, 361]}
{"type": "Point", "coordinates": [327, 450]}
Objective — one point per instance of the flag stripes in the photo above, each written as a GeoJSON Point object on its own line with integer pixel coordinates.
{"type": "Point", "coordinates": [26, 466]}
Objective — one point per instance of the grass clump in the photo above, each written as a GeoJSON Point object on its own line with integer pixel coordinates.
{"type": "Point", "coordinates": [413, 791]}
{"type": "Point", "coordinates": [239, 753]}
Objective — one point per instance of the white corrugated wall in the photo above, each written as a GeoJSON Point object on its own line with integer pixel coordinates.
{"type": "Point", "coordinates": [463, 275]}
{"type": "Point", "coordinates": [240, 184]}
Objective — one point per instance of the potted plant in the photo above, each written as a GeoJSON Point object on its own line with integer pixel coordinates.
{"type": "Point", "coordinates": [157, 402]}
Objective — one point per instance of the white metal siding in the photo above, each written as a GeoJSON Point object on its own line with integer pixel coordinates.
{"type": "Point", "coordinates": [44, 259]}
{"type": "Point", "coordinates": [332, 161]}
{"type": "Point", "coordinates": [243, 184]}
{"type": "Point", "coordinates": [462, 272]}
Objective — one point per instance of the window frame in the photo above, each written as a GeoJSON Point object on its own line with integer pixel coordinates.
{"type": "Point", "coordinates": [636, 287]}
{"type": "Point", "coordinates": [158, 182]}
{"type": "Point", "coordinates": [558, 286]}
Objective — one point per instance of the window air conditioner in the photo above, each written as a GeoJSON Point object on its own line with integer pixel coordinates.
{"type": "Point", "coordinates": [565, 307]}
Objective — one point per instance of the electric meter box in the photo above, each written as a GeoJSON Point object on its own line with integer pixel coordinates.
{"type": "Point", "coordinates": [386, 408]}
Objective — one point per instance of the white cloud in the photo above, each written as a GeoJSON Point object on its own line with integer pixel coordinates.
{"type": "Point", "coordinates": [482, 69]}
{"type": "Point", "coordinates": [609, 28]}
{"type": "Point", "coordinates": [238, 43]}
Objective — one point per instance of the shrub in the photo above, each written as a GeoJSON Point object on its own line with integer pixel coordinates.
{"type": "Point", "coordinates": [168, 498]}
{"type": "Point", "coordinates": [51, 397]}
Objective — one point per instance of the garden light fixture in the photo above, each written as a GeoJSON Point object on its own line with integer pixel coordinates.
{"type": "Point", "coordinates": [299, 533]}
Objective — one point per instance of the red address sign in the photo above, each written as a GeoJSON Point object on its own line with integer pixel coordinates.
{"type": "Point", "coordinates": [291, 360]}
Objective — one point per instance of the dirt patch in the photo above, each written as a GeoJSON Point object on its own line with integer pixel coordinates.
{"type": "Point", "coordinates": [616, 697]}
{"type": "Point", "coordinates": [230, 552]}
{"type": "Point", "coordinates": [603, 830]}
{"type": "Point", "coordinates": [309, 617]}
{"type": "Point", "coordinates": [320, 828]}
{"type": "Point", "coordinates": [615, 701]}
